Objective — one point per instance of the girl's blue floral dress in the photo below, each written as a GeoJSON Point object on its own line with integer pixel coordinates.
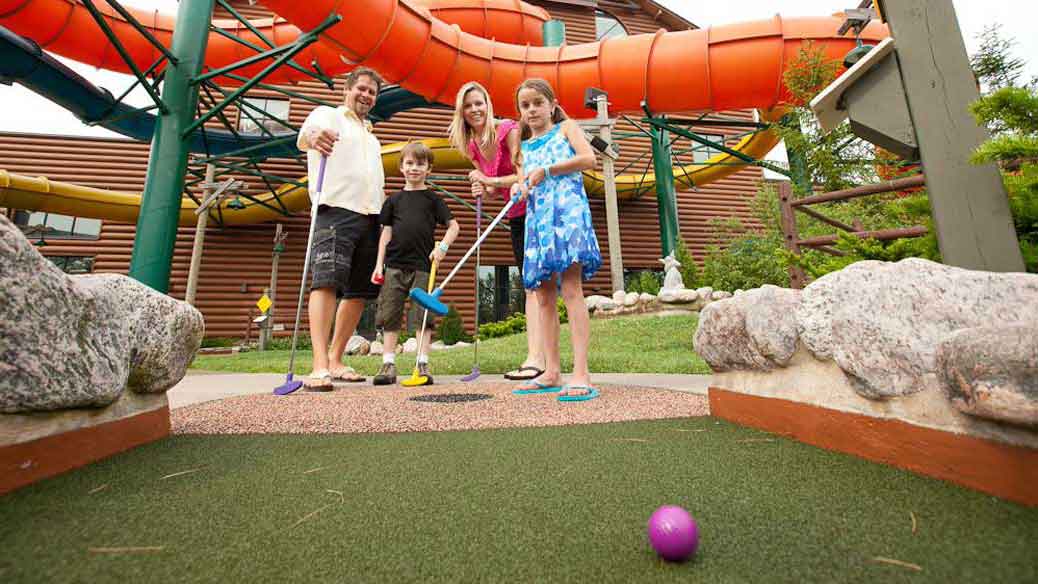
{"type": "Point", "coordinates": [558, 219]}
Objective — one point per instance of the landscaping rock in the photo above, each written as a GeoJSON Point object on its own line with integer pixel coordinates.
{"type": "Point", "coordinates": [705, 293]}
{"type": "Point", "coordinates": [720, 295]}
{"type": "Point", "coordinates": [683, 296]}
{"type": "Point", "coordinates": [631, 299]}
{"type": "Point", "coordinates": [358, 345]}
{"type": "Point", "coordinates": [375, 348]}
{"type": "Point", "coordinates": [882, 322]}
{"type": "Point", "coordinates": [605, 305]}
{"type": "Point", "coordinates": [758, 330]}
{"type": "Point", "coordinates": [80, 341]}
{"type": "Point", "coordinates": [592, 302]}
{"type": "Point", "coordinates": [646, 298]}
{"type": "Point", "coordinates": [992, 372]}
{"type": "Point", "coordinates": [437, 346]}
{"type": "Point", "coordinates": [410, 346]}
{"type": "Point", "coordinates": [619, 297]}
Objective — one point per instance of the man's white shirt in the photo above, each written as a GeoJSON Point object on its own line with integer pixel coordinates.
{"type": "Point", "coordinates": [353, 176]}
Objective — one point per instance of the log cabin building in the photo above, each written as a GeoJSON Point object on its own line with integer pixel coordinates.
{"type": "Point", "coordinates": [236, 265]}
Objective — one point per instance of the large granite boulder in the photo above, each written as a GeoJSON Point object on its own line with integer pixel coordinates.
{"type": "Point", "coordinates": [894, 330]}
{"type": "Point", "coordinates": [80, 341]}
{"type": "Point", "coordinates": [757, 330]}
{"type": "Point", "coordinates": [992, 372]}
{"type": "Point", "coordinates": [882, 322]}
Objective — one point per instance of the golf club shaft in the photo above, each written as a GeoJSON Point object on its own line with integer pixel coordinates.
{"type": "Point", "coordinates": [479, 222]}
{"type": "Point", "coordinates": [425, 316]}
{"type": "Point", "coordinates": [465, 258]}
{"type": "Point", "coordinates": [306, 261]}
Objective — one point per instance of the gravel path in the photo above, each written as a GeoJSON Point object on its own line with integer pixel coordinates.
{"type": "Point", "coordinates": [366, 409]}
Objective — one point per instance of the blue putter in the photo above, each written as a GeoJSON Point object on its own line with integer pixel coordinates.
{"type": "Point", "coordinates": [431, 300]}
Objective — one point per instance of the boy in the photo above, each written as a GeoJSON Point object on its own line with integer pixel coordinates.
{"type": "Point", "coordinates": [409, 218]}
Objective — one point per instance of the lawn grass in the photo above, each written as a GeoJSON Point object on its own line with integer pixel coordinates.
{"type": "Point", "coordinates": [560, 504]}
{"type": "Point", "coordinates": [651, 344]}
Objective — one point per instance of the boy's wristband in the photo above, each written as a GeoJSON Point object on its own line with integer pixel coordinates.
{"type": "Point", "coordinates": [443, 247]}
{"type": "Point", "coordinates": [547, 172]}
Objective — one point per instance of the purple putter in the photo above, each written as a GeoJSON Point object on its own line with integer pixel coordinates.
{"type": "Point", "coordinates": [673, 533]}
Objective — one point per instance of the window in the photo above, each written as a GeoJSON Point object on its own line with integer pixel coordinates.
{"type": "Point", "coordinates": [276, 109]}
{"type": "Point", "coordinates": [38, 226]}
{"type": "Point", "coordinates": [701, 153]}
{"type": "Point", "coordinates": [500, 293]}
{"type": "Point", "coordinates": [73, 264]}
{"type": "Point", "coordinates": [607, 26]}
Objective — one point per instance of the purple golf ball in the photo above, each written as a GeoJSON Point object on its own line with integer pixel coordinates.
{"type": "Point", "coordinates": [673, 533]}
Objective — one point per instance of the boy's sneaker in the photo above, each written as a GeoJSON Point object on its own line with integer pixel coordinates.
{"type": "Point", "coordinates": [423, 371]}
{"type": "Point", "coordinates": [386, 374]}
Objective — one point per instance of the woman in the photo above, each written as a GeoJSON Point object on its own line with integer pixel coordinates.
{"type": "Point", "coordinates": [493, 146]}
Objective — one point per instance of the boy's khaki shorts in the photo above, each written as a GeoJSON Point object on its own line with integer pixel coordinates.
{"type": "Point", "coordinates": [395, 291]}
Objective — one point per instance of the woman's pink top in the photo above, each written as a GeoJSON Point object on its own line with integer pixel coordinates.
{"type": "Point", "coordinates": [501, 165]}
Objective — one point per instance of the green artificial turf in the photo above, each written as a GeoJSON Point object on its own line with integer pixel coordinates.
{"type": "Point", "coordinates": [632, 345]}
{"type": "Point", "coordinates": [517, 505]}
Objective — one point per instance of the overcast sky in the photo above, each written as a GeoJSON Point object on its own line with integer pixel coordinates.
{"type": "Point", "coordinates": [24, 111]}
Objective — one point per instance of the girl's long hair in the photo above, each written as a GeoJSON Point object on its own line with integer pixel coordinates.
{"type": "Point", "coordinates": [460, 132]}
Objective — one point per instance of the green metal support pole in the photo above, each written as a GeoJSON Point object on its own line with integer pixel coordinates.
{"type": "Point", "coordinates": [666, 199]}
{"type": "Point", "coordinates": [797, 161]}
{"type": "Point", "coordinates": [160, 207]}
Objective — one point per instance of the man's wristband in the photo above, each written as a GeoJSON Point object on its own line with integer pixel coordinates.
{"type": "Point", "coordinates": [443, 247]}
{"type": "Point", "coordinates": [547, 172]}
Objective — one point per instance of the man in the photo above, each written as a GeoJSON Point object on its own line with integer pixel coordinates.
{"type": "Point", "coordinates": [347, 231]}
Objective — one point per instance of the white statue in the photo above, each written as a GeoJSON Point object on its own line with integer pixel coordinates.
{"type": "Point", "coordinates": [672, 278]}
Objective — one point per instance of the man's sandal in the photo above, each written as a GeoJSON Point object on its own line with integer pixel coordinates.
{"type": "Point", "coordinates": [318, 381]}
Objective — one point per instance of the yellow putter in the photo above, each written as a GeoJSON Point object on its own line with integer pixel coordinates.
{"type": "Point", "coordinates": [415, 380]}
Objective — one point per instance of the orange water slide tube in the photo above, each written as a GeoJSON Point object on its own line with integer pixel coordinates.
{"type": "Point", "coordinates": [724, 67]}
{"type": "Point", "coordinates": [65, 27]}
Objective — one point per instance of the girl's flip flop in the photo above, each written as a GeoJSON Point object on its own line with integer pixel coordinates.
{"type": "Point", "coordinates": [592, 393]}
{"type": "Point", "coordinates": [538, 388]}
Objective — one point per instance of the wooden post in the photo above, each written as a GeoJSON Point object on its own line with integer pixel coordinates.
{"type": "Point", "coordinates": [266, 332]}
{"type": "Point", "coordinates": [970, 205]}
{"type": "Point", "coordinates": [797, 277]}
{"type": "Point", "coordinates": [196, 249]}
{"type": "Point", "coordinates": [616, 262]}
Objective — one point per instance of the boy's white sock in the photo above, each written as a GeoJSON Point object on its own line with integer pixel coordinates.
{"type": "Point", "coordinates": [423, 359]}
{"type": "Point", "coordinates": [389, 357]}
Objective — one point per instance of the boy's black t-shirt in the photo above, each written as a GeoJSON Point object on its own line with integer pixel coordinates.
{"type": "Point", "coordinates": [413, 215]}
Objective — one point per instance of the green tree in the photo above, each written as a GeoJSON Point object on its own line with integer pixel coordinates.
{"type": "Point", "coordinates": [994, 64]}
{"type": "Point", "coordinates": [1012, 113]}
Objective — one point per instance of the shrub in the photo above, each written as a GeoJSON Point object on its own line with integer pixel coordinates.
{"type": "Point", "coordinates": [689, 270]}
{"type": "Point", "coordinates": [450, 329]}
{"type": "Point", "coordinates": [644, 281]}
{"type": "Point", "coordinates": [502, 328]}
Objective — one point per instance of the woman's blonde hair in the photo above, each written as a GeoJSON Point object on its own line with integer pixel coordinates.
{"type": "Point", "coordinates": [544, 88]}
{"type": "Point", "coordinates": [460, 133]}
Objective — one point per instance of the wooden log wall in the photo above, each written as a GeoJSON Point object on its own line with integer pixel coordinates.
{"type": "Point", "coordinates": [236, 264]}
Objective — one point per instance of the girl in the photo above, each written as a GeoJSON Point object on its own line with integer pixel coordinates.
{"type": "Point", "coordinates": [492, 147]}
{"type": "Point", "coordinates": [559, 239]}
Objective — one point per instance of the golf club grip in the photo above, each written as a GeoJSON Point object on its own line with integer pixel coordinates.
{"type": "Point", "coordinates": [468, 254]}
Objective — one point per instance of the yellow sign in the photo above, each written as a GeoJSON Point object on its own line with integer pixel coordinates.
{"type": "Point", "coordinates": [264, 303]}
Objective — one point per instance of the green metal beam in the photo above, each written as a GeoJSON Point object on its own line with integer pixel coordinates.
{"type": "Point", "coordinates": [164, 185]}
{"type": "Point", "coordinates": [666, 200]}
{"type": "Point", "coordinates": [301, 43]}
{"type": "Point", "coordinates": [663, 125]}
{"type": "Point", "coordinates": [144, 32]}
{"type": "Point", "coordinates": [320, 76]}
{"type": "Point", "coordinates": [107, 30]}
